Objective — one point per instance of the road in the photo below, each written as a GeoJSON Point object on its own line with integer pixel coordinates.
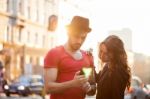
{"type": "Point", "coordinates": [90, 97]}
{"type": "Point", "coordinates": [2, 96]}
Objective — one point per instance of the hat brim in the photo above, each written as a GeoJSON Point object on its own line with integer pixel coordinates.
{"type": "Point", "coordinates": [79, 28]}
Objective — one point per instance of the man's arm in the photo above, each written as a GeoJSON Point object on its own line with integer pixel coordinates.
{"type": "Point", "coordinates": [51, 86]}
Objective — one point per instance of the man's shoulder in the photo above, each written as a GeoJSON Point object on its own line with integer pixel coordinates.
{"type": "Point", "coordinates": [83, 51]}
{"type": "Point", "coordinates": [87, 53]}
{"type": "Point", "coordinates": [54, 52]}
{"type": "Point", "coordinates": [56, 49]}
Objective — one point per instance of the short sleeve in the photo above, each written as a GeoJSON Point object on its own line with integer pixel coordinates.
{"type": "Point", "coordinates": [51, 59]}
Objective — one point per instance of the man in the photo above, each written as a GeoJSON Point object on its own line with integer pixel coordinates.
{"type": "Point", "coordinates": [63, 64]}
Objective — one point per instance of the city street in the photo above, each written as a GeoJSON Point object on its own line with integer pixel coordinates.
{"type": "Point", "coordinates": [2, 96]}
{"type": "Point", "coordinates": [58, 45]}
{"type": "Point", "coordinates": [90, 97]}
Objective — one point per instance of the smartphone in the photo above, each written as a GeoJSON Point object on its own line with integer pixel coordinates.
{"type": "Point", "coordinates": [81, 72]}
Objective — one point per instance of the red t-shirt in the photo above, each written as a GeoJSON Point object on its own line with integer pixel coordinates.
{"type": "Point", "coordinates": [67, 67]}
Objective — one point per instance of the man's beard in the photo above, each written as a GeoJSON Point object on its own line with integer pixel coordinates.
{"type": "Point", "coordinates": [76, 47]}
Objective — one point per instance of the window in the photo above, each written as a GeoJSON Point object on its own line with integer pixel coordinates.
{"type": "Point", "coordinates": [20, 10]}
{"type": "Point", "coordinates": [36, 38]}
{"type": "Point", "coordinates": [52, 25]}
{"type": "Point", "coordinates": [7, 35]}
{"type": "Point", "coordinates": [43, 41]}
{"type": "Point", "coordinates": [37, 61]}
{"type": "Point", "coordinates": [29, 8]}
{"type": "Point", "coordinates": [8, 5]}
{"type": "Point", "coordinates": [19, 34]}
{"type": "Point", "coordinates": [37, 11]}
{"type": "Point", "coordinates": [28, 37]}
{"type": "Point", "coordinates": [31, 60]}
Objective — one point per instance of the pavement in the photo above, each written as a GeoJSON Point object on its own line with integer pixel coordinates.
{"type": "Point", "coordinates": [87, 97]}
{"type": "Point", "coordinates": [3, 96]}
{"type": "Point", "coordinates": [90, 97]}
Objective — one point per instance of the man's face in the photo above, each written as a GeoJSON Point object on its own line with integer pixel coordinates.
{"type": "Point", "coordinates": [76, 39]}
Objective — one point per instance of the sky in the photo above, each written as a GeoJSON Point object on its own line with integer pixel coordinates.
{"type": "Point", "coordinates": [108, 15]}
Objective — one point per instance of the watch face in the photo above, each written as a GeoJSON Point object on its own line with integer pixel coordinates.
{"type": "Point", "coordinates": [86, 71]}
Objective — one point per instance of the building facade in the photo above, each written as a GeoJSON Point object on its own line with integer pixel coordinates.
{"type": "Point", "coordinates": [141, 67]}
{"type": "Point", "coordinates": [24, 37]}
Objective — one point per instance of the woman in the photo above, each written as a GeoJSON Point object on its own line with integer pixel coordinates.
{"type": "Point", "coordinates": [115, 76]}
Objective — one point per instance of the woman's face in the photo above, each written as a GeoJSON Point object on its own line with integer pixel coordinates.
{"type": "Point", "coordinates": [103, 54]}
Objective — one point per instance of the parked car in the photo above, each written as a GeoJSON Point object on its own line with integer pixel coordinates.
{"type": "Point", "coordinates": [37, 85]}
{"type": "Point", "coordinates": [3, 82]}
{"type": "Point", "coordinates": [136, 90]}
{"type": "Point", "coordinates": [2, 79]}
{"type": "Point", "coordinates": [19, 86]}
{"type": "Point", "coordinates": [147, 89]}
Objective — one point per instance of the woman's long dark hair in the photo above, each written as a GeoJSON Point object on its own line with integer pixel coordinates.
{"type": "Point", "coordinates": [117, 56]}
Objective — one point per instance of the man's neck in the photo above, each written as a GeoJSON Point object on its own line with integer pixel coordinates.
{"type": "Point", "coordinates": [68, 48]}
{"type": "Point", "coordinates": [76, 54]}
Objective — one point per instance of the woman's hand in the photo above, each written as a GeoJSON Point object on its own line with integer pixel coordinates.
{"type": "Point", "coordinates": [87, 87]}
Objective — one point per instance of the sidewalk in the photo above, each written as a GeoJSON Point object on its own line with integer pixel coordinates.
{"type": "Point", "coordinates": [90, 97]}
{"type": "Point", "coordinates": [87, 97]}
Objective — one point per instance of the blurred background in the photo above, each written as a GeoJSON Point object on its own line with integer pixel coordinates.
{"type": "Point", "coordinates": [29, 28]}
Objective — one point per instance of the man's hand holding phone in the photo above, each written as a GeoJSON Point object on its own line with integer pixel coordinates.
{"type": "Point", "coordinates": [79, 80]}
